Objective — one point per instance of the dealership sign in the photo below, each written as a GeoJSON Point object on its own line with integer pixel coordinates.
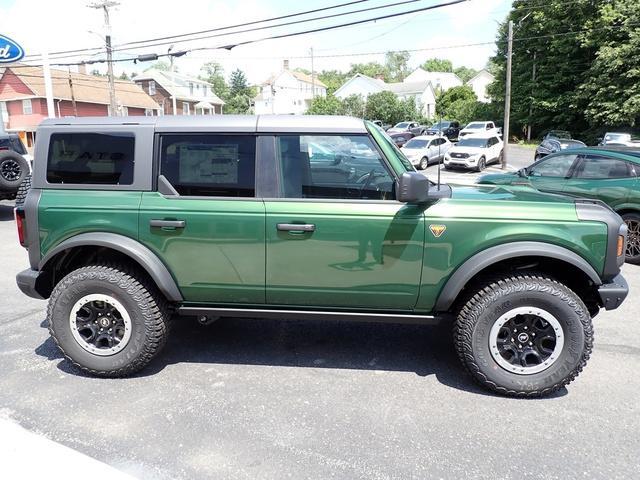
{"type": "Point", "coordinates": [10, 51]}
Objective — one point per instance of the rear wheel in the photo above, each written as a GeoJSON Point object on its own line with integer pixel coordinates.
{"type": "Point", "coordinates": [106, 320]}
{"type": "Point", "coordinates": [524, 335]}
{"type": "Point", "coordinates": [633, 238]}
{"type": "Point", "coordinates": [23, 190]}
{"type": "Point", "coordinates": [424, 163]}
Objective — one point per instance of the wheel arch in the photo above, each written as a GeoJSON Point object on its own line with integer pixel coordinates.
{"type": "Point", "coordinates": [543, 257]}
{"type": "Point", "coordinates": [119, 246]}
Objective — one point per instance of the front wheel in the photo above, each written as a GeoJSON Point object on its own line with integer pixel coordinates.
{"type": "Point", "coordinates": [632, 255]}
{"type": "Point", "coordinates": [524, 335]}
{"type": "Point", "coordinates": [107, 320]}
{"type": "Point", "coordinates": [424, 163]}
{"type": "Point", "coordinates": [482, 164]}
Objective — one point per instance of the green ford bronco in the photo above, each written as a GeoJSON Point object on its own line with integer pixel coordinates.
{"type": "Point", "coordinates": [132, 221]}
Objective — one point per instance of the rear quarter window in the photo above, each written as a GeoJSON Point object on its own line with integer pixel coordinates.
{"type": "Point", "coordinates": [91, 158]}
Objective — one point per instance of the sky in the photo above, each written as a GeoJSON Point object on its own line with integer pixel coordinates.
{"type": "Point", "coordinates": [56, 25]}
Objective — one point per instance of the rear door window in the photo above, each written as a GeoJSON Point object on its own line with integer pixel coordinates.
{"type": "Point", "coordinates": [599, 168]}
{"type": "Point", "coordinates": [209, 165]}
{"type": "Point", "coordinates": [91, 158]}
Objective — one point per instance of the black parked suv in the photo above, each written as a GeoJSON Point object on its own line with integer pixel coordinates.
{"type": "Point", "coordinates": [13, 165]}
{"type": "Point", "coordinates": [446, 128]}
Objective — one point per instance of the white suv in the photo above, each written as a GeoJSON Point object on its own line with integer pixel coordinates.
{"type": "Point", "coordinates": [480, 128]}
{"type": "Point", "coordinates": [475, 151]}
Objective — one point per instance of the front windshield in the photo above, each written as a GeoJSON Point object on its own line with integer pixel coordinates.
{"type": "Point", "coordinates": [401, 125]}
{"type": "Point", "coordinates": [617, 136]}
{"type": "Point", "coordinates": [475, 126]}
{"type": "Point", "coordinates": [560, 134]}
{"type": "Point", "coordinates": [472, 142]}
{"type": "Point", "coordinates": [415, 143]}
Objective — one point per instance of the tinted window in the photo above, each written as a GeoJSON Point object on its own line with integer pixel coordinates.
{"type": "Point", "coordinates": [416, 143]}
{"type": "Point", "coordinates": [401, 125]}
{"type": "Point", "coordinates": [91, 158]}
{"type": "Point", "coordinates": [557, 166]}
{"type": "Point", "coordinates": [596, 167]}
{"type": "Point", "coordinates": [12, 143]}
{"type": "Point", "coordinates": [347, 167]}
{"type": "Point", "coordinates": [210, 165]}
{"type": "Point", "coordinates": [473, 142]}
{"type": "Point", "coordinates": [475, 126]}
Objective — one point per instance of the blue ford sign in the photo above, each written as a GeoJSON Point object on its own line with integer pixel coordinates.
{"type": "Point", "coordinates": [10, 51]}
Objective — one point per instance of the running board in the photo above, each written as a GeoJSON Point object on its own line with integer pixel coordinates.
{"type": "Point", "coordinates": [203, 313]}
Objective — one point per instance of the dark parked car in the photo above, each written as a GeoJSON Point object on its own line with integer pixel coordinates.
{"type": "Point", "coordinates": [555, 141]}
{"type": "Point", "coordinates": [401, 138]}
{"type": "Point", "coordinates": [446, 128]}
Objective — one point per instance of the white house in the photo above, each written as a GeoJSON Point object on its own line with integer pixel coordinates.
{"type": "Point", "coordinates": [479, 84]}
{"type": "Point", "coordinates": [421, 91]}
{"type": "Point", "coordinates": [288, 92]}
{"type": "Point", "coordinates": [439, 80]}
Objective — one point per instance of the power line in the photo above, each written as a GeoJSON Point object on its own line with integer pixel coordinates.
{"type": "Point", "coordinates": [255, 22]}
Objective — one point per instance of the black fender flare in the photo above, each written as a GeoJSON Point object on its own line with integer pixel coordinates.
{"type": "Point", "coordinates": [132, 249]}
{"type": "Point", "coordinates": [488, 257]}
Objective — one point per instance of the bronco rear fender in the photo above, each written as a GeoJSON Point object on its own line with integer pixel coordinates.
{"type": "Point", "coordinates": [129, 247]}
{"type": "Point", "coordinates": [493, 255]}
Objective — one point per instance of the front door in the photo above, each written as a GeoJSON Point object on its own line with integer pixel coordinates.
{"type": "Point", "coordinates": [337, 237]}
{"type": "Point", "coordinates": [604, 178]}
{"type": "Point", "coordinates": [551, 173]}
{"type": "Point", "coordinates": [210, 230]}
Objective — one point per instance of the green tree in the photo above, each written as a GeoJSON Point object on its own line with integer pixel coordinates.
{"type": "Point", "coordinates": [333, 79]}
{"type": "Point", "coordinates": [370, 69]}
{"type": "Point", "coordinates": [213, 73]}
{"type": "Point", "coordinates": [396, 65]}
{"type": "Point", "coordinates": [437, 65]}
{"type": "Point", "coordinates": [328, 105]}
{"type": "Point", "coordinates": [386, 107]}
{"type": "Point", "coordinates": [238, 83]}
{"type": "Point", "coordinates": [610, 90]}
{"type": "Point", "coordinates": [353, 105]}
{"type": "Point", "coordinates": [457, 103]}
{"type": "Point", "coordinates": [124, 76]}
{"type": "Point", "coordinates": [465, 73]}
{"type": "Point", "coordinates": [160, 65]}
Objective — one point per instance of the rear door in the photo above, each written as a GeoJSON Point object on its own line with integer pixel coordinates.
{"type": "Point", "coordinates": [604, 178]}
{"type": "Point", "coordinates": [551, 173]}
{"type": "Point", "coordinates": [204, 221]}
{"type": "Point", "coordinates": [338, 238]}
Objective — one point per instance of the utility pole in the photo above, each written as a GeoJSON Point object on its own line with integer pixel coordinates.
{"type": "Point", "coordinates": [73, 97]}
{"type": "Point", "coordinates": [533, 81]}
{"type": "Point", "coordinates": [48, 85]}
{"type": "Point", "coordinates": [105, 5]}
{"type": "Point", "coordinates": [507, 98]}
{"type": "Point", "coordinates": [173, 82]}
{"type": "Point", "coordinates": [313, 76]}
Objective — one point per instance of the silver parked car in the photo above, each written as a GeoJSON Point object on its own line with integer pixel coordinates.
{"type": "Point", "coordinates": [423, 150]}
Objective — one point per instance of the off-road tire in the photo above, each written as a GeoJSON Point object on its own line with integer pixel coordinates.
{"type": "Point", "coordinates": [633, 223]}
{"type": "Point", "coordinates": [488, 301]}
{"type": "Point", "coordinates": [17, 161]}
{"type": "Point", "coordinates": [145, 305]}
{"type": "Point", "coordinates": [23, 190]}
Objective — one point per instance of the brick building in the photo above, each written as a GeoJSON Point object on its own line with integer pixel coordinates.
{"type": "Point", "coordinates": [193, 96]}
{"type": "Point", "coordinates": [24, 105]}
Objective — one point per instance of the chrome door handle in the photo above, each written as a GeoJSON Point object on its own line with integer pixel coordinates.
{"type": "Point", "coordinates": [296, 227]}
{"type": "Point", "coordinates": [167, 223]}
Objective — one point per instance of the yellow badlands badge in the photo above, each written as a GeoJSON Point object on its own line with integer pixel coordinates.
{"type": "Point", "coordinates": [437, 230]}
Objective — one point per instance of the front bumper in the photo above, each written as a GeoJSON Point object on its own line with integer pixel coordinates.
{"type": "Point", "coordinates": [613, 293]}
{"type": "Point", "coordinates": [461, 162]}
{"type": "Point", "coordinates": [27, 280]}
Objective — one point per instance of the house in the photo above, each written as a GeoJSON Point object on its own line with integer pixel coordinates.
{"type": "Point", "coordinates": [421, 91]}
{"type": "Point", "coordinates": [24, 105]}
{"type": "Point", "coordinates": [288, 91]}
{"type": "Point", "coordinates": [479, 84]}
{"type": "Point", "coordinates": [193, 96]}
{"type": "Point", "coordinates": [439, 80]}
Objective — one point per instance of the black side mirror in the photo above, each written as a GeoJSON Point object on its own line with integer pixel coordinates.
{"type": "Point", "coordinates": [412, 187]}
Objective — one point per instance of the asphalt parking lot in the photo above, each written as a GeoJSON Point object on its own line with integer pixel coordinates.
{"type": "Point", "coordinates": [266, 399]}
